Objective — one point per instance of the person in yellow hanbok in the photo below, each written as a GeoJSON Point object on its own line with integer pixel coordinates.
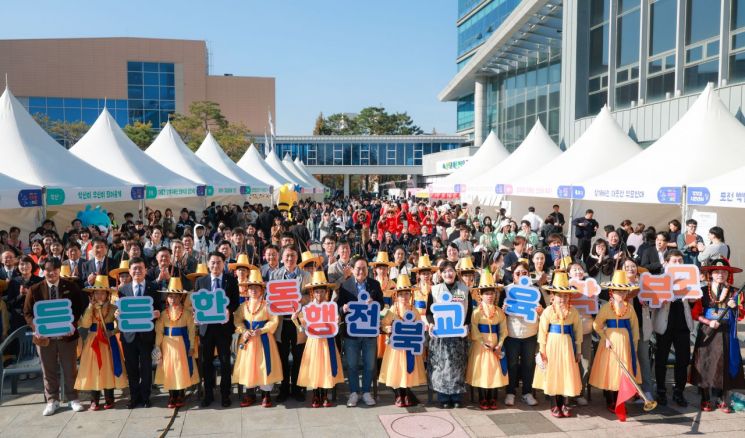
{"type": "Point", "coordinates": [424, 271]}
{"type": "Point", "coordinates": [396, 371]}
{"type": "Point", "coordinates": [257, 362]}
{"type": "Point", "coordinates": [101, 364]}
{"type": "Point", "coordinates": [321, 366]}
{"type": "Point", "coordinates": [618, 327]}
{"type": "Point", "coordinates": [560, 347]}
{"type": "Point", "coordinates": [175, 347]}
{"type": "Point", "coordinates": [381, 266]}
{"type": "Point", "coordinates": [487, 363]}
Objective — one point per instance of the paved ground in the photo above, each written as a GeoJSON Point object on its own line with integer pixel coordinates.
{"type": "Point", "coordinates": [20, 416]}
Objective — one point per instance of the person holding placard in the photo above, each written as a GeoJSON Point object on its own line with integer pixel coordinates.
{"type": "Point", "coordinates": [175, 346]}
{"type": "Point", "coordinates": [618, 328]}
{"type": "Point", "coordinates": [645, 315]}
{"type": "Point", "coordinates": [101, 361]}
{"type": "Point", "coordinates": [320, 368]}
{"type": "Point", "coordinates": [381, 267]}
{"type": "Point", "coordinates": [560, 347]}
{"type": "Point", "coordinates": [487, 364]}
{"type": "Point", "coordinates": [257, 362]}
{"type": "Point", "coordinates": [576, 272]}
{"type": "Point", "coordinates": [395, 370]}
{"type": "Point", "coordinates": [717, 362]}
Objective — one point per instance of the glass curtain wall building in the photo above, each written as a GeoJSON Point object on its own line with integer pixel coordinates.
{"type": "Point", "coordinates": [561, 61]}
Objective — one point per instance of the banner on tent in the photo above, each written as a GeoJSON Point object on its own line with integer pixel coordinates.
{"type": "Point", "coordinates": [59, 196]}
{"type": "Point", "coordinates": [153, 192]}
{"type": "Point", "coordinates": [450, 166]}
{"type": "Point", "coordinates": [698, 195]}
{"type": "Point", "coordinates": [570, 192]}
{"type": "Point", "coordinates": [503, 189]}
{"type": "Point", "coordinates": [27, 198]}
{"type": "Point", "coordinates": [670, 195]}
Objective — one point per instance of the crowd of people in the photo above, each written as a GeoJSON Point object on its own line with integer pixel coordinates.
{"type": "Point", "coordinates": [407, 255]}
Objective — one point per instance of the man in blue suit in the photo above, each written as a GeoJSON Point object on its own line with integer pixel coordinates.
{"type": "Point", "coordinates": [138, 347]}
{"type": "Point", "coordinates": [218, 336]}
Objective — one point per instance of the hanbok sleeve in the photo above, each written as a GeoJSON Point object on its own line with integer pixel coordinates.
{"type": "Point", "coordinates": [577, 327]}
{"type": "Point", "coordinates": [474, 332]}
{"type": "Point", "coordinates": [503, 333]}
{"type": "Point", "coordinates": [599, 324]}
{"type": "Point", "coordinates": [87, 319]}
{"type": "Point", "coordinates": [634, 327]}
{"type": "Point", "coordinates": [271, 324]}
{"type": "Point", "coordinates": [159, 328]}
{"type": "Point", "coordinates": [238, 318]}
{"type": "Point", "coordinates": [543, 330]}
{"type": "Point", "coordinates": [191, 328]}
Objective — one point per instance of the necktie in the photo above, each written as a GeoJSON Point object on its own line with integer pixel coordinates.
{"type": "Point", "coordinates": [72, 267]}
{"type": "Point", "coordinates": [98, 267]}
{"type": "Point", "coordinates": [53, 292]}
{"type": "Point", "coordinates": [291, 275]}
{"type": "Point", "coordinates": [139, 291]}
{"type": "Point", "coordinates": [215, 284]}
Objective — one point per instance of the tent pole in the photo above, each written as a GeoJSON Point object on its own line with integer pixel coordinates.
{"type": "Point", "coordinates": [684, 204]}
{"type": "Point", "coordinates": [43, 205]}
{"type": "Point", "coordinates": [571, 218]}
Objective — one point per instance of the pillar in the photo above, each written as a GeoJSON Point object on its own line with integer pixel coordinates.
{"type": "Point", "coordinates": [680, 47]}
{"type": "Point", "coordinates": [612, 47]}
{"type": "Point", "coordinates": [346, 185]}
{"type": "Point", "coordinates": [724, 39]}
{"type": "Point", "coordinates": [479, 110]}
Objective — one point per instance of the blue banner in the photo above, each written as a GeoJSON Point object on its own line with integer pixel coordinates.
{"type": "Point", "coordinates": [570, 192]}
{"type": "Point", "coordinates": [29, 198]}
{"type": "Point", "coordinates": [669, 195]}
{"type": "Point", "coordinates": [698, 195]}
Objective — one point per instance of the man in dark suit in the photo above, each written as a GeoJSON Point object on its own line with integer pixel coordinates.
{"type": "Point", "coordinates": [58, 352]}
{"type": "Point", "coordinates": [9, 268]}
{"type": "Point", "coordinates": [138, 347]}
{"type": "Point", "coordinates": [654, 258]}
{"type": "Point", "coordinates": [161, 274]}
{"type": "Point", "coordinates": [217, 335]}
{"type": "Point", "coordinates": [356, 347]}
{"type": "Point", "coordinates": [517, 253]}
{"type": "Point", "coordinates": [100, 264]}
{"type": "Point", "coordinates": [75, 262]}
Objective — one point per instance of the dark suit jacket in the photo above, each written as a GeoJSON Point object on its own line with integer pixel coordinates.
{"type": "Point", "coordinates": [651, 261]}
{"type": "Point", "coordinates": [510, 258]}
{"type": "Point", "coordinates": [348, 293]}
{"type": "Point", "coordinates": [15, 301]}
{"type": "Point", "coordinates": [230, 285]}
{"type": "Point", "coordinates": [67, 289]}
{"type": "Point", "coordinates": [4, 274]}
{"type": "Point", "coordinates": [89, 267]}
{"type": "Point", "coordinates": [151, 291]}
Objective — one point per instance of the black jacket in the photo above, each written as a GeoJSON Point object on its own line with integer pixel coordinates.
{"type": "Point", "coordinates": [651, 261]}
{"type": "Point", "coordinates": [348, 293]}
{"type": "Point", "coordinates": [230, 285]}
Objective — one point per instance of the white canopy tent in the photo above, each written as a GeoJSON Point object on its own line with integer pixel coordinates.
{"type": "Point", "coordinates": [32, 156]}
{"type": "Point", "coordinates": [108, 148]}
{"type": "Point", "coordinates": [491, 153]}
{"type": "Point", "coordinates": [172, 152]}
{"type": "Point", "coordinates": [273, 161]}
{"type": "Point", "coordinates": [536, 150]}
{"type": "Point", "coordinates": [679, 157]}
{"type": "Point", "coordinates": [301, 167]}
{"type": "Point", "coordinates": [254, 163]}
{"type": "Point", "coordinates": [309, 188]}
{"type": "Point", "coordinates": [17, 202]}
{"type": "Point", "coordinates": [214, 156]}
{"type": "Point", "coordinates": [557, 180]}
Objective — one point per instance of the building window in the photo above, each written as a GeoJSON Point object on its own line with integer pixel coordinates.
{"type": "Point", "coordinates": [702, 20]}
{"type": "Point", "coordinates": [697, 76]}
{"type": "Point", "coordinates": [465, 113]}
{"type": "Point", "coordinates": [598, 62]}
{"type": "Point", "coordinates": [72, 110]}
{"type": "Point", "coordinates": [478, 27]}
{"type": "Point", "coordinates": [661, 26]}
{"type": "Point", "coordinates": [628, 35]}
{"type": "Point", "coordinates": [151, 89]}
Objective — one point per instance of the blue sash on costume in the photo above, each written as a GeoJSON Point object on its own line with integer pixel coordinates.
{"type": "Point", "coordinates": [242, 299]}
{"type": "Point", "coordinates": [332, 356]}
{"type": "Point", "coordinates": [494, 328]}
{"type": "Point", "coordinates": [567, 329]}
{"type": "Point", "coordinates": [625, 323]}
{"type": "Point", "coordinates": [264, 343]}
{"type": "Point", "coordinates": [116, 355]}
{"type": "Point", "coordinates": [184, 333]}
{"type": "Point", "coordinates": [388, 301]}
{"type": "Point", "coordinates": [735, 357]}
{"type": "Point", "coordinates": [420, 304]}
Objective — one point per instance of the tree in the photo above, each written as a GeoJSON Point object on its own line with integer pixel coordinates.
{"type": "Point", "coordinates": [206, 116]}
{"type": "Point", "coordinates": [141, 134]}
{"type": "Point", "coordinates": [370, 121]}
{"type": "Point", "coordinates": [66, 133]}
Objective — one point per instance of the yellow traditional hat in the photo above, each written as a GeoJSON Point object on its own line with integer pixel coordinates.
{"type": "Point", "coordinates": [560, 284]}
{"type": "Point", "coordinates": [174, 287]}
{"type": "Point", "coordinates": [308, 257]}
{"type": "Point", "coordinates": [487, 282]}
{"type": "Point", "coordinates": [114, 273]}
{"type": "Point", "coordinates": [424, 264]}
{"type": "Point", "coordinates": [65, 271]}
{"type": "Point", "coordinates": [619, 282]}
{"type": "Point", "coordinates": [381, 259]}
{"type": "Point", "coordinates": [242, 262]}
{"type": "Point", "coordinates": [101, 283]}
{"type": "Point", "coordinates": [465, 264]}
{"type": "Point", "coordinates": [254, 278]}
{"type": "Point", "coordinates": [403, 283]}
{"type": "Point", "coordinates": [318, 280]}
{"type": "Point", "coordinates": [200, 272]}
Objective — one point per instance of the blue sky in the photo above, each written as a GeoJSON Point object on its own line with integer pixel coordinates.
{"type": "Point", "coordinates": [327, 55]}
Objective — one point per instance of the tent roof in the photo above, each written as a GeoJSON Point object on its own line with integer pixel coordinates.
{"type": "Point", "coordinates": [211, 153]}
{"type": "Point", "coordinates": [491, 152]}
{"type": "Point", "coordinates": [15, 193]}
{"type": "Point", "coordinates": [290, 166]}
{"type": "Point", "coordinates": [301, 167]}
{"type": "Point", "coordinates": [172, 152]}
{"type": "Point", "coordinates": [108, 148]}
{"type": "Point", "coordinates": [720, 191]}
{"type": "Point", "coordinates": [604, 138]}
{"type": "Point", "coordinates": [657, 174]}
{"type": "Point", "coordinates": [275, 163]}
{"type": "Point", "coordinates": [253, 162]}
{"type": "Point", "coordinates": [32, 156]}
{"type": "Point", "coordinates": [536, 150]}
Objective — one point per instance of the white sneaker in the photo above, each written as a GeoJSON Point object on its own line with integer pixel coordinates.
{"type": "Point", "coordinates": [529, 399]}
{"type": "Point", "coordinates": [581, 401]}
{"type": "Point", "coordinates": [52, 406]}
{"type": "Point", "coordinates": [353, 399]}
{"type": "Point", "coordinates": [368, 399]}
{"type": "Point", "coordinates": [76, 406]}
{"type": "Point", "coordinates": [509, 400]}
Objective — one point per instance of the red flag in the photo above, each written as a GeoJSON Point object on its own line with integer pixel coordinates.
{"type": "Point", "coordinates": [626, 390]}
